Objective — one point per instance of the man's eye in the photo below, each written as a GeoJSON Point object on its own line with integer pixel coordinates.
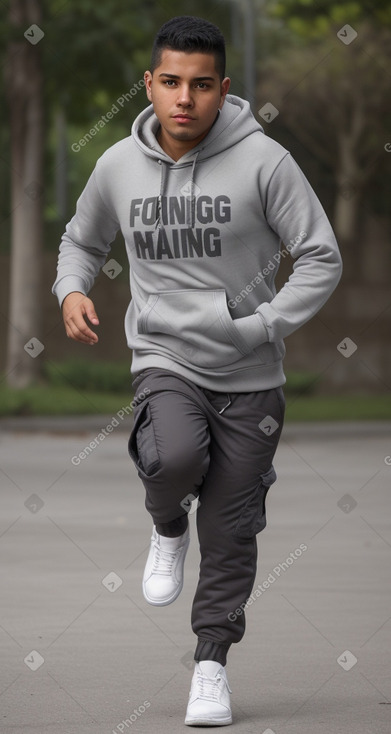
{"type": "Point", "coordinates": [169, 82]}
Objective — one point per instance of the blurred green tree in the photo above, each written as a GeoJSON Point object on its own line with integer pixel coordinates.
{"type": "Point", "coordinates": [331, 83]}
{"type": "Point", "coordinates": [314, 19]}
{"type": "Point", "coordinates": [72, 52]}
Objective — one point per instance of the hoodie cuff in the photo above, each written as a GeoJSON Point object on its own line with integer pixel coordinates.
{"type": "Point", "coordinates": [252, 329]}
{"type": "Point", "coordinates": [68, 284]}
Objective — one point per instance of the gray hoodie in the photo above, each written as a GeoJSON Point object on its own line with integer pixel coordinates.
{"type": "Point", "coordinates": [204, 237]}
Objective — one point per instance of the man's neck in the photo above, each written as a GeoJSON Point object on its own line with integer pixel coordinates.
{"type": "Point", "coordinates": [175, 148]}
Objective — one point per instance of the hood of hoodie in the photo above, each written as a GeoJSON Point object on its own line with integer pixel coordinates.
{"type": "Point", "coordinates": [234, 122]}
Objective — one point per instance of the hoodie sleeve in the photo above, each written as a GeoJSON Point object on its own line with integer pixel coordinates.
{"type": "Point", "coordinates": [295, 213]}
{"type": "Point", "coordinates": [85, 243]}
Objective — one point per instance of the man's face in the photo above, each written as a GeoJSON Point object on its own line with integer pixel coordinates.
{"type": "Point", "coordinates": [186, 92]}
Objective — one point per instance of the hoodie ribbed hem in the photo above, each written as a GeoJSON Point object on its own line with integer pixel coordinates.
{"type": "Point", "coordinates": [248, 379]}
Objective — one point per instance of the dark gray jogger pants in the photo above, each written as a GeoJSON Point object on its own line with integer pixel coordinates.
{"type": "Point", "coordinates": [190, 442]}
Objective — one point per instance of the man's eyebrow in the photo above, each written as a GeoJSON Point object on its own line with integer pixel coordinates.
{"type": "Point", "coordinates": [196, 78]}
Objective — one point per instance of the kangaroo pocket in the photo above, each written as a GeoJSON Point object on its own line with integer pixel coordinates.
{"type": "Point", "coordinates": [194, 324]}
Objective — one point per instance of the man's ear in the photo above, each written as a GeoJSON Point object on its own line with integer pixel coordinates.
{"type": "Point", "coordinates": [225, 85]}
{"type": "Point", "coordinates": [148, 82]}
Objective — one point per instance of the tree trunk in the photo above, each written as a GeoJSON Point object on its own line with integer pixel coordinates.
{"type": "Point", "coordinates": [61, 166]}
{"type": "Point", "coordinates": [347, 205]}
{"type": "Point", "coordinates": [24, 86]}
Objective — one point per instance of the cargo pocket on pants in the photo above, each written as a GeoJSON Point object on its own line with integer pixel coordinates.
{"type": "Point", "coordinates": [253, 517]}
{"type": "Point", "coordinates": [142, 443]}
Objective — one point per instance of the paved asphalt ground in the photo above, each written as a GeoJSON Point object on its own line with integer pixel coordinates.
{"type": "Point", "coordinates": [83, 653]}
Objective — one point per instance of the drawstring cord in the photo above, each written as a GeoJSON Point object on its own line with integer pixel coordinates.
{"type": "Point", "coordinates": [192, 188]}
{"type": "Point", "coordinates": [191, 195]}
{"type": "Point", "coordinates": [162, 188]}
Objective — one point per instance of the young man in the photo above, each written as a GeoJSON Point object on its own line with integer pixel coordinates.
{"type": "Point", "coordinates": [207, 205]}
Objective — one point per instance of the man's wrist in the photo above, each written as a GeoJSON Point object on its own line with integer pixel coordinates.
{"type": "Point", "coordinates": [67, 285]}
{"type": "Point", "coordinates": [69, 294]}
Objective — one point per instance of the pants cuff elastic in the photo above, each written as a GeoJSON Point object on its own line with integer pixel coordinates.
{"type": "Point", "coordinates": [174, 528]}
{"type": "Point", "coordinates": [209, 650]}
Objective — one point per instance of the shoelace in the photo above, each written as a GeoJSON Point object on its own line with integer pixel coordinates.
{"type": "Point", "coordinates": [209, 687]}
{"type": "Point", "coordinates": [163, 560]}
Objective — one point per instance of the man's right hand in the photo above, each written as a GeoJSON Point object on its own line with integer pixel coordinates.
{"type": "Point", "coordinates": [76, 307]}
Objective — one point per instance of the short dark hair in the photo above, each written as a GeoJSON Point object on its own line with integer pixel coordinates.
{"type": "Point", "coordinates": [190, 34]}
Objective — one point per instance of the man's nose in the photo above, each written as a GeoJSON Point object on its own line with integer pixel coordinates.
{"type": "Point", "coordinates": [184, 96]}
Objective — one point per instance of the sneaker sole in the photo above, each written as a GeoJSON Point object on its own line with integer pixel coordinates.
{"type": "Point", "coordinates": [208, 722]}
{"type": "Point", "coordinates": [164, 602]}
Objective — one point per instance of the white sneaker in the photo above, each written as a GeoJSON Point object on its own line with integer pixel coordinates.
{"type": "Point", "coordinates": [209, 702]}
{"type": "Point", "coordinates": [163, 574]}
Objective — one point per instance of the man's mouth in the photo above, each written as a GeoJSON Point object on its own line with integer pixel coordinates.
{"type": "Point", "coordinates": [183, 118]}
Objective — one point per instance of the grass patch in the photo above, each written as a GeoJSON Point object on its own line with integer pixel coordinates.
{"type": "Point", "coordinates": [107, 377]}
{"type": "Point", "coordinates": [338, 408]}
{"type": "Point", "coordinates": [52, 400]}
{"type": "Point", "coordinates": [66, 400]}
